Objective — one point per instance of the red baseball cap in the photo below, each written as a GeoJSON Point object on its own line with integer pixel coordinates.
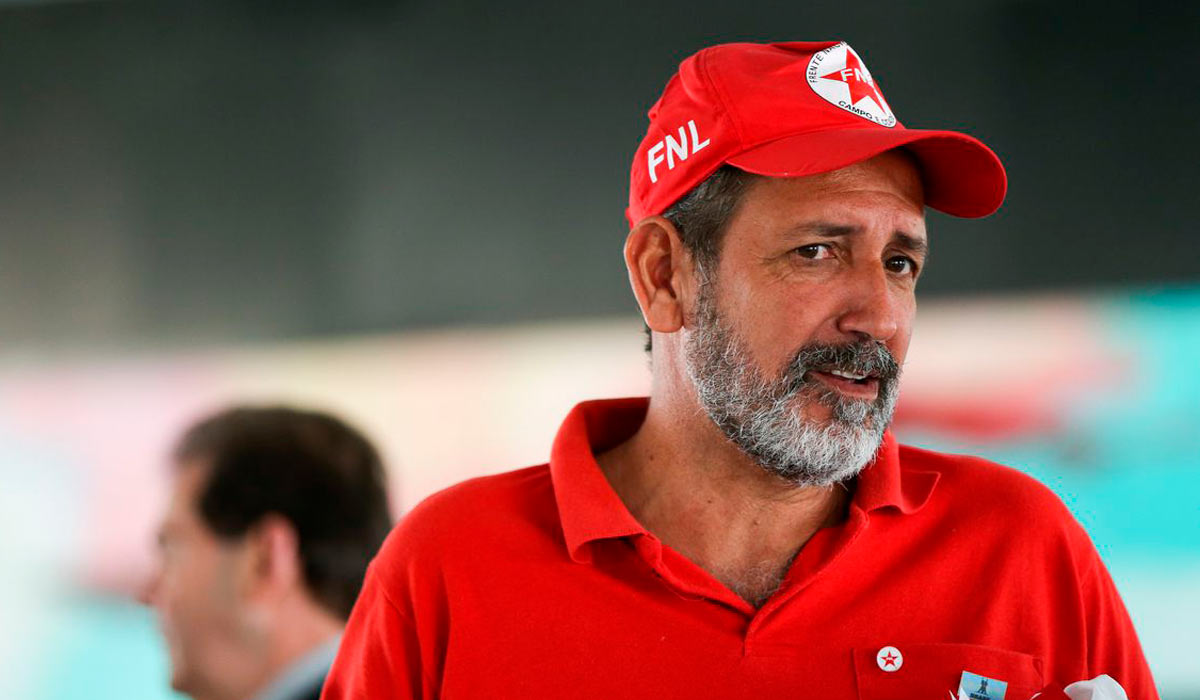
{"type": "Point", "coordinates": [792, 109]}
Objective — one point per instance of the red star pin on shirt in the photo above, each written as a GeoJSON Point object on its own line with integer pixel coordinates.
{"type": "Point", "coordinates": [889, 659]}
{"type": "Point", "coordinates": [856, 77]}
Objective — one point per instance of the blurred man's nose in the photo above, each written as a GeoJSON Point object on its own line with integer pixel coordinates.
{"type": "Point", "coordinates": [147, 593]}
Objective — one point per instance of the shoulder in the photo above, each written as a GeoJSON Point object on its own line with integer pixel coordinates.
{"type": "Point", "coordinates": [962, 475]}
{"type": "Point", "coordinates": [972, 489]}
{"type": "Point", "coordinates": [310, 693]}
{"type": "Point", "coordinates": [476, 519]}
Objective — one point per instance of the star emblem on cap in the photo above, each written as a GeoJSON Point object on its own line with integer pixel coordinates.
{"type": "Point", "coordinates": [856, 77]}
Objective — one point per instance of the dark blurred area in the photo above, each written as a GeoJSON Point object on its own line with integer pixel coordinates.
{"type": "Point", "coordinates": [205, 170]}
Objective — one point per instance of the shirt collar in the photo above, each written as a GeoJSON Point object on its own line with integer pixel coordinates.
{"type": "Point", "coordinates": [304, 674]}
{"type": "Point", "coordinates": [885, 482]}
{"type": "Point", "coordinates": [588, 506]}
{"type": "Point", "coordinates": [590, 509]}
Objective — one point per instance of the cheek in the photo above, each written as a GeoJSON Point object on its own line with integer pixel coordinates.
{"type": "Point", "coordinates": [813, 319]}
{"type": "Point", "coordinates": [187, 592]}
{"type": "Point", "coordinates": [778, 320]}
{"type": "Point", "coordinates": [176, 597]}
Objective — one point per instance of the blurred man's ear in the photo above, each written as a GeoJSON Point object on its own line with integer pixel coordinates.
{"type": "Point", "coordinates": [273, 565]}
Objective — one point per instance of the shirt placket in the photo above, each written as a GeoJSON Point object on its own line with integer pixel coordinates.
{"type": "Point", "coordinates": [816, 556]}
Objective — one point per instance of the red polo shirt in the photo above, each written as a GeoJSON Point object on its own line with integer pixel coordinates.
{"type": "Point", "coordinates": [539, 583]}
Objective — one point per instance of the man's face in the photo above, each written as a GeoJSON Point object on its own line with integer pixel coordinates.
{"type": "Point", "coordinates": [195, 592]}
{"type": "Point", "coordinates": [795, 341]}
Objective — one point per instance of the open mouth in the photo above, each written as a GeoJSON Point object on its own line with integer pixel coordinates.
{"type": "Point", "coordinates": [853, 384]}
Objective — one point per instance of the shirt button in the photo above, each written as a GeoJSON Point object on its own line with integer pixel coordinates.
{"type": "Point", "coordinates": [889, 659]}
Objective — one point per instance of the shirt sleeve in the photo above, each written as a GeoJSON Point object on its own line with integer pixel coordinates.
{"type": "Point", "coordinates": [380, 655]}
{"type": "Point", "coordinates": [1113, 646]}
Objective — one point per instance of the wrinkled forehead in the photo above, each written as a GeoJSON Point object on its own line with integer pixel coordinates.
{"type": "Point", "coordinates": [884, 192]}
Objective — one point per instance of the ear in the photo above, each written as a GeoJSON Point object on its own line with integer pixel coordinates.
{"type": "Point", "coordinates": [660, 272]}
{"type": "Point", "coordinates": [274, 567]}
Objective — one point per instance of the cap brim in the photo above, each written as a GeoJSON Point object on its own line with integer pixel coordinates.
{"type": "Point", "coordinates": [962, 177]}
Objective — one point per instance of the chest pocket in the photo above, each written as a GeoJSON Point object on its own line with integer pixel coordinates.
{"type": "Point", "coordinates": [933, 671]}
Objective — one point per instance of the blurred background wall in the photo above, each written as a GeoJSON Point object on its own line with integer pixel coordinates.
{"type": "Point", "coordinates": [412, 213]}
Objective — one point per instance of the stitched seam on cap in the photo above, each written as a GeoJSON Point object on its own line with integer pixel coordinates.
{"type": "Point", "coordinates": [722, 97]}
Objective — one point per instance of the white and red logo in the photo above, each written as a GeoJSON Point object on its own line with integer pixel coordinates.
{"type": "Point", "coordinates": [838, 75]}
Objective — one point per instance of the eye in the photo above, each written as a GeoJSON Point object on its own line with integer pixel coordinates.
{"type": "Point", "coordinates": [902, 264]}
{"type": "Point", "coordinates": [816, 251]}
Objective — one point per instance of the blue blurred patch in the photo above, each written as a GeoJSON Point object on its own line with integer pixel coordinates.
{"type": "Point", "coordinates": [103, 649]}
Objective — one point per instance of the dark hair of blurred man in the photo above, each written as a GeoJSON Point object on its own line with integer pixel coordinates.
{"type": "Point", "coordinates": [274, 516]}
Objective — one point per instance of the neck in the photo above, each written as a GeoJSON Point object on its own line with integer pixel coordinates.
{"type": "Point", "coordinates": [698, 493]}
{"type": "Point", "coordinates": [302, 628]}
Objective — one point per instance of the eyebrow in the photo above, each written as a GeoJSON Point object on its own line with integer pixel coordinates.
{"type": "Point", "coordinates": [827, 230]}
{"type": "Point", "coordinates": [918, 246]}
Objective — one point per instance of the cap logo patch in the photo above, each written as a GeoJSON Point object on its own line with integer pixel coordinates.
{"type": "Point", "coordinates": [838, 75]}
{"type": "Point", "coordinates": [677, 150]}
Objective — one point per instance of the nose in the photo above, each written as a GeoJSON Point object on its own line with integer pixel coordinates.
{"type": "Point", "coordinates": [874, 307]}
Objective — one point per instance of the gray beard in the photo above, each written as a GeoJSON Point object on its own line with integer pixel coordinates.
{"type": "Point", "coordinates": [764, 417]}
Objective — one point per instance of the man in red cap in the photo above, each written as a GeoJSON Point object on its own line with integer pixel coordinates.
{"type": "Point", "coordinates": [752, 529]}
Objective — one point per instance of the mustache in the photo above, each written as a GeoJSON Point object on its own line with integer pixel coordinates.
{"type": "Point", "coordinates": [869, 357]}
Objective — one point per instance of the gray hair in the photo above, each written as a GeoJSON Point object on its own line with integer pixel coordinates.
{"type": "Point", "coordinates": [701, 217]}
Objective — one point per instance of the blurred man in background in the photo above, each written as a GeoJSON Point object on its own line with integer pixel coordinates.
{"type": "Point", "coordinates": [273, 518]}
